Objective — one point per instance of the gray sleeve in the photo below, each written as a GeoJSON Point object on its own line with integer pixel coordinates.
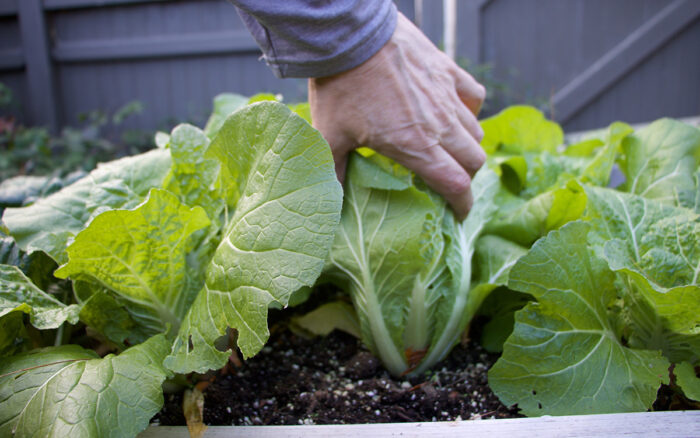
{"type": "Point", "coordinates": [316, 38]}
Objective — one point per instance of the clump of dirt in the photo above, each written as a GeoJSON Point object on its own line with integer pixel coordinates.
{"type": "Point", "coordinates": [334, 380]}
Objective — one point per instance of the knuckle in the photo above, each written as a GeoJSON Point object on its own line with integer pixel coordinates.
{"type": "Point", "coordinates": [480, 92]}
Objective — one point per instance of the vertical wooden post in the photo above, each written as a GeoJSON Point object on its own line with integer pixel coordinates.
{"type": "Point", "coordinates": [470, 29]}
{"type": "Point", "coordinates": [449, 23]}
{"type": "Point", "coordinates": [41, 90]}
{"type": "Point", "coordinates": [418, 13]}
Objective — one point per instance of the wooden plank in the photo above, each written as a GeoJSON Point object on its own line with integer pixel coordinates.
{"type": "Point", "coordinates": [634, 49]}
{"type": "Point", "coordinates": [155, 47]}
{"type": "Point", "coordinates": [56, 5]}
{"type": "Point", "coordinates": [8, 7]}
{"type": "Point", "coordinates": [647, 424]}
{"type": "Point", "coordinates": [11, 59]}
{"type": "Point", "coordinates": [41, 90]}
{"type": "Point", "coordinates": [470, 29]}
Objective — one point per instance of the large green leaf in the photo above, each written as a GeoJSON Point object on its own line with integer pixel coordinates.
{"type": "Point", "coordinates": [13, 334]}
{"type": "Point", "coordinates": [141, 256]}
{"type": "Point", "coordinates": [224, 105]}
{"type": "Point", "coordinates": [519, 129]}
{"type": "Point", "coordinates": [655, 248]}
{"type": "Point", "coordinates": [494, 258]}
{"type": "Point", "coordinates": [656, 241]}
{"type": "Point", "coordinates": [386, 249]}
{"type": "Point", "coordinates": [50, 224]}
{"type": "Point", "coordinates": [280, 177]}
{"type": "Point", "coordinates": [70, 392]}
{"type": "Point", "coordinates": [459, 302]}
{"type": "Point", "coordinates": [597, 172]}
{"type": "Point", "coordinates": [37, 266]}
{"type": "Point", "coordinates": [564, 356]}
{"type": "Point", "coordinates": [688, 380]}
{"type": "Point", "coordinates": [107, 315]}
{"type": "Point", "coordinates": [193, 176]}
{"type": "Point", "coordinates": [18, 293]}
{"type": "Point", "coordinates": [532, 219]}
{"type": "Point", "coordinates": [666, 321]}
{"type": "Point", "coordinates": [660, 161]}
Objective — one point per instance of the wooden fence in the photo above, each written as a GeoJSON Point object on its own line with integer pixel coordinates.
{"type": "Point", "coordinates": [588, 62]}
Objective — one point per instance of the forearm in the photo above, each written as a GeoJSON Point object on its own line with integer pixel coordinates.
{"type": "Point", "coordinates": [307, 38]}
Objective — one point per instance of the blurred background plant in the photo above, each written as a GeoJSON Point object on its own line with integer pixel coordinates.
{"type": "Point", "coordinates": [500, 90]}
{"type": "Point", "coordinates": [32, 150]}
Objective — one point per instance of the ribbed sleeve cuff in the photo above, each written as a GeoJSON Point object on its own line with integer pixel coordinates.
{"type": "Point", "coordinates": [315, 68]}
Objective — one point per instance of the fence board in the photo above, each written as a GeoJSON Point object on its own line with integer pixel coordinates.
{"type": "Point", "coordinates": [155, 47]}
{"type": "Point", "coordinates": [54, 5]}
{"type": "Point", "coordinates": [42, 105]}
{"type": "Point", "coordinates": [665, 85]}
{"type": "Point", "coordinates": [8, 7]}
{"type": "Point", "coordinates": [202, 48]}
{"type": "Point", "coordinates": [609, 69]}
{"type": "Point", "coordinates": [11, 59]}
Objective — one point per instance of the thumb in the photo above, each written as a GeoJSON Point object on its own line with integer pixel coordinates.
{"type": "Point", "coordinates": [340, 145]}
{"type": "Point", "coordinates": [341, 163]}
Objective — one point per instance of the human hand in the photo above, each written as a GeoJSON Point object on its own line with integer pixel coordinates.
{"type": "Point", "coordinates": [412, 103]}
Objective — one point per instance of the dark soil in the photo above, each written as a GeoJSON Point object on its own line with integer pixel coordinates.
{"type": "Point", "coordinates": [334, 380]}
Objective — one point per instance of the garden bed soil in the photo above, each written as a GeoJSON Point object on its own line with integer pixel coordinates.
{"type": "Point", "coordinates": [335, 380]}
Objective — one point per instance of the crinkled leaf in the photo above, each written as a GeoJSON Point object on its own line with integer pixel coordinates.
{"type": "Point", "coordinates": [37, 266]}
{"type": "Point", "coordinates": [458, 302]}
{"type": "Point", "coordinates": [657, 241]}
{"type": "Point", "coordinates": [18, 293]}
{"type": "Point", "coordinates": [688, 380]}
{"type": "Point", "coordinates": [380, 251]}
{"type": "Point", "coordinates": [520, 129]}
{"type": "Point", "coordinates": [597, 172]}
{"type": "Point", "coordinates": [193, 176]}
{"type": "Point", "coordinates": [666, 321]}
{"type": "Point", "coordinates": [281, 176]}
{"type": "Point", "coordinates": [660, 161]}
{"type": "Point", "coordinates": [564, 357]}
{"type": "Point", "coordinates": [107, 316]}
{"type": "Point", "coordinates": [50, 224]}
{"type": "Point", "coordinates": [140, 255]}
{"type": "Point", "coordinates": [336, 315]}
{"type": "Point", "coordinates": [534, 218]}
{"type": "Point", "coordinates": [73, 393]}
{"type": "Point", "coordinates": [224, 105]}
{"type": "Point", "coordinates": [546, 172]}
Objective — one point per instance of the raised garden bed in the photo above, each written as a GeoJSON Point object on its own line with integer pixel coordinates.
{"type": "Point", "coordinates": [648, 425]}
{"type": "Point", "coordinates": [591, 291]}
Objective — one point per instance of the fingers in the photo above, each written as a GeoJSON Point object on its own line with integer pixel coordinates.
{"type": "Point", "coordinates": [469, 90]}
{"type": "Point", "coordinates": [340, 146]}
{"type": "Point", "coordinates": [464, 148]}
{"type": "Point", "coordinates": [443, 174]}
